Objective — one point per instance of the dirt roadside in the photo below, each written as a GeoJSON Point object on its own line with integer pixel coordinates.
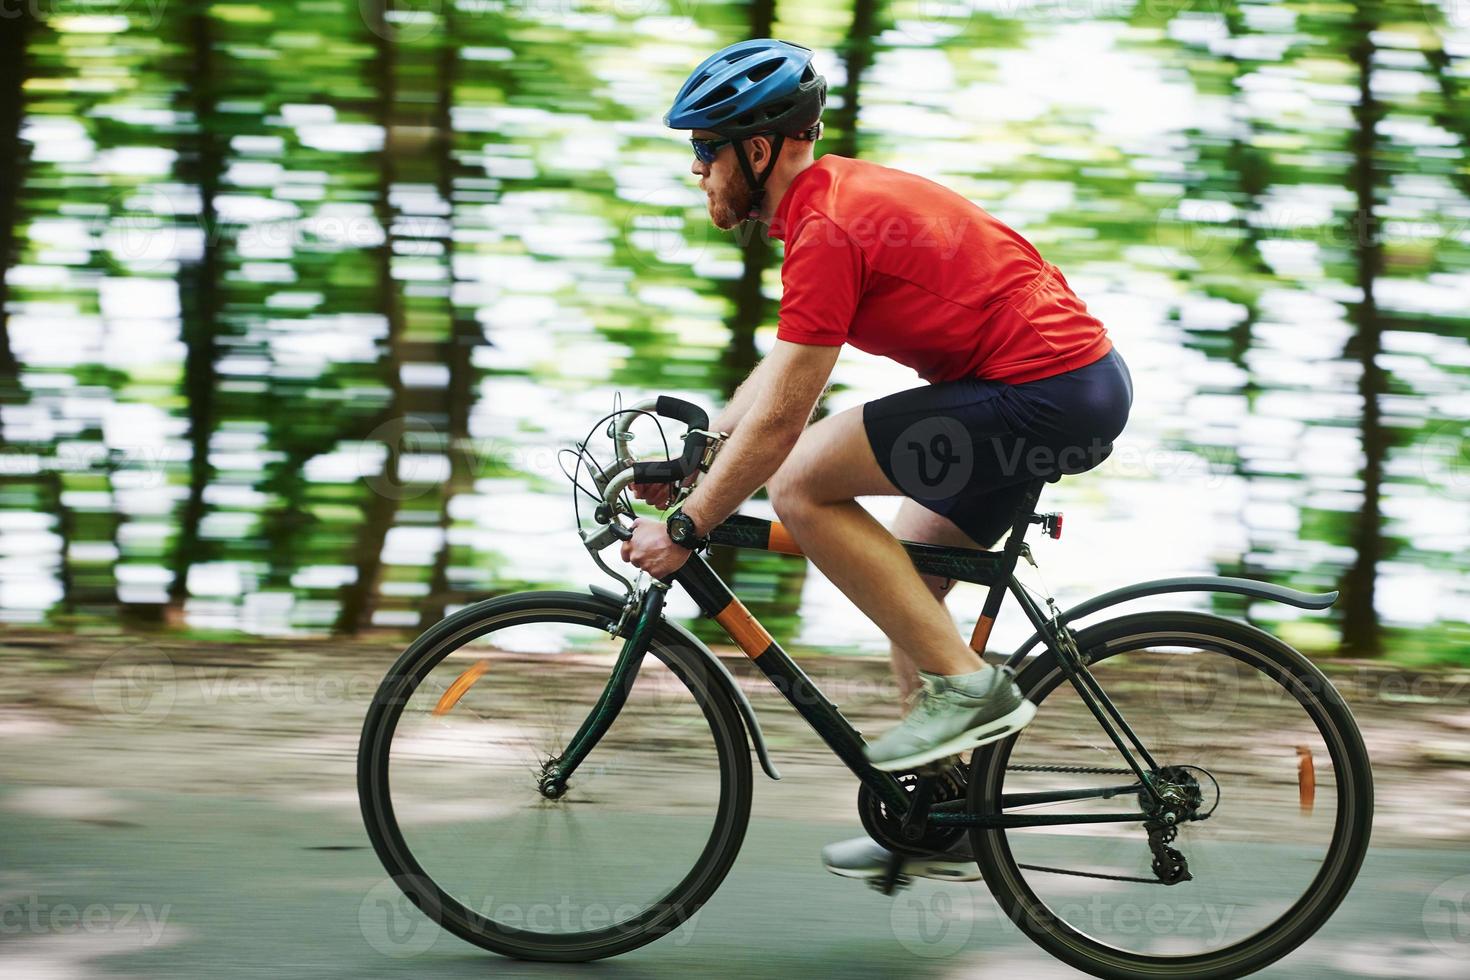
{"type": "Point", "coordinates": [273, 716]}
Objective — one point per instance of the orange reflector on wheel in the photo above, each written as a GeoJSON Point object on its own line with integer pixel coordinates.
{"type": "Point", "coordinates": [1306, 779]}
{"type": "Point", "coordinates": [461, 684]}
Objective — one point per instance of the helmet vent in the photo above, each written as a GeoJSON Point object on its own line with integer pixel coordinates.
{"type": "Point", "coordinates": [762, 70]}
{"type": "Point", "coordinates": [718, 95]}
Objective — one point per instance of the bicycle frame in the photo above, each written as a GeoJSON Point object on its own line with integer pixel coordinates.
{"type": "Point", "coordinates": [995, 569]}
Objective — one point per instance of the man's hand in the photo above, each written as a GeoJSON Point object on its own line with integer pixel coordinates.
{"type": "Point", "coordinates": [655, 494]}
{"type": "Point", "coordinates": [652, 550]}
{"type": "Point", "coordinates": [660, 495]}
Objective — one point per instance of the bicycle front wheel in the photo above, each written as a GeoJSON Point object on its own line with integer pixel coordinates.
{"type": "Point", "coordinates": [461, 732]}
{"type": "Point", "coordinates": [1276, 813]}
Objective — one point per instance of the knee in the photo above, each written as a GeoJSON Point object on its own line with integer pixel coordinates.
{"type": "Point", "coordinates": [788, 493]}
{"type": "Point", "coordinates": [794, 491]}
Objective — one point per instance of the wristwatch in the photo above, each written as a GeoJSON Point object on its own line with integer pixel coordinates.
{"type": "Point", "coordinates": [682, 531]}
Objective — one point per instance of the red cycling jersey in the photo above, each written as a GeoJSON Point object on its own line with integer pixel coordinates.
{"type": "Point", "coordinates": [897, 265]}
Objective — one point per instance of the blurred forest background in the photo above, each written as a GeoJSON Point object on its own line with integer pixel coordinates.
{"type": "Point", "coordinates": [298, 300]}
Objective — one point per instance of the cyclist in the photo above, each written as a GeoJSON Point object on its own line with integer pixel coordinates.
{"type": "Point", "coordinates": [1021, 382]}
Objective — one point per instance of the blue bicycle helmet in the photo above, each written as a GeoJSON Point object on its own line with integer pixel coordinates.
{"type": "Point", "coordinates": [753, 88]}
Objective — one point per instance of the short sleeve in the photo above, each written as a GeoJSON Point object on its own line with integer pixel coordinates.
{"type": "Point", "coordinates": [822, 280]}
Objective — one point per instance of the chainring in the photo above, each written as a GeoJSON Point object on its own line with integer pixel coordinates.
{"type": "Point", "coordinates": [887, 828]}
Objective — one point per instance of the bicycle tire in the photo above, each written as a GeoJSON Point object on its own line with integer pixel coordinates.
{"type": "Point", "coordinates": [374, 790]}
{"type": "Point", "coordinates": [1339, 869]}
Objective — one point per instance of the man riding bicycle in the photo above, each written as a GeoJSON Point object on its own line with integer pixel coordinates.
{"type": "Point", "coordinates": [1021, 382]}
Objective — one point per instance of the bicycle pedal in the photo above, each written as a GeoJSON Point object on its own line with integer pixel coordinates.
{"type": "Point", "coordinates": [885, 887]}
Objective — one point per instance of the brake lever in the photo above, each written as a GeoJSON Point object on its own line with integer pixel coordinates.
{"type": "Point", "coordinates": [714, 442]}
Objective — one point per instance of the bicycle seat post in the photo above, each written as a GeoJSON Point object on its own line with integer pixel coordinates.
{"type": "Point", "coordinates": [1020, 521]}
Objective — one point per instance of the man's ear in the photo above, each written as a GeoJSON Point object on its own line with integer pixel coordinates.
{"type": "Point", "coordinates": [759, 152]}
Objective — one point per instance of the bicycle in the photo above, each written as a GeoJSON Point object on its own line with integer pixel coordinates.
{"type": "Point", "coordinates": [1205, 785]}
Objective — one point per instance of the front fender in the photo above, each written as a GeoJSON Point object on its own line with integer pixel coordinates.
{"type": "Point", "coordinates": [1184, 583]}
{"type": "Point", "coordinates": [722, 675]}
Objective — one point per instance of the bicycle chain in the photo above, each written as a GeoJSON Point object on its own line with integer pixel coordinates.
{"type": "Point", "coordinates": [1159, 841]}
{"type": "Point", "coordinates": [1092, 874]}
{"type": "Point", "coordinates": [1077, 770]}
{"type": "Point", "coordinates": [1092, 771]}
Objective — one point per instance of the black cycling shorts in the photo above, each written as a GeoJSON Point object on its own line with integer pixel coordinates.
{"type": "Point", "coordinates": [966, 449]}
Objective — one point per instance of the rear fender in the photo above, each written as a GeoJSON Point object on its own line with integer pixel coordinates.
{"type": "Point", "coordinates": [1184, 583]}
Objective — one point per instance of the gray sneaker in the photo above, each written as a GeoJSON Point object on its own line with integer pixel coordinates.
{"type": "Point", "coordinates": [953, 715]}
{"type": "Point", "coordinates": [863, 857]}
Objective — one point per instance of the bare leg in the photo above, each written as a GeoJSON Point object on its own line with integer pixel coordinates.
{"type": "Point", "coordinates": [813, 494]}
{"type": "Point", "coordinates": [917, 523]}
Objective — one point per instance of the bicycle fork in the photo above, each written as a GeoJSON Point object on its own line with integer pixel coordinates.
{"type": "Point", "coordinates": [558, 770]}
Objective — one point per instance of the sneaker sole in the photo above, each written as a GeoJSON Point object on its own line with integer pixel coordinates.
{"type": "Point", "coordinates": [992, 731]}
{"type": "Point", "coordinates": [937, 872]}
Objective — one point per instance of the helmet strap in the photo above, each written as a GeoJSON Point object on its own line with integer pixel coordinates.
{"type": "Point", "coordinates": [758, 184]}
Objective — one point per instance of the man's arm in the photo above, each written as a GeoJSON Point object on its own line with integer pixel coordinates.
{"type": "Point", "coordinates": [793, 377]}
{"type": "Point", "coordinates": [748, 393]}
{"type": "Point", "coordinates": [745, 395]}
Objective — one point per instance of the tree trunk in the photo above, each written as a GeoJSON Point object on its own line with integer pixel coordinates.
{"type": "Point", "coordinates": [381, 507]}
{"type": "Point", "coordinates": [199, 285]}
{"type": "Point", "coordinates": [464, 335]}
{"type": "Point", "coordinates": [12, 162]}
{"type": "Point", "coordinates": [1361, 631]}
{"type": "Point", "coordinates": [857, 53]}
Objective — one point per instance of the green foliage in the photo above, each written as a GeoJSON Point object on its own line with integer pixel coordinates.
{"type": "Point", "coordinates": [306, 302]}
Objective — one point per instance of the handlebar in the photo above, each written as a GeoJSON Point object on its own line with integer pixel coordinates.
{"type": "Point", "coordinates": [695, 442]}
{"type": "Point", "coordinates": [624, 470]}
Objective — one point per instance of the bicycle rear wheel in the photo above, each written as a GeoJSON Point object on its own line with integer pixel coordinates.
{"type": "Point", "coordinates": [456, 742]}
{"type": "Point", "coordinates": [1217, 703]}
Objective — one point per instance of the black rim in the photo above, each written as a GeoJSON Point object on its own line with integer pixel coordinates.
{"type": "Point", "coordinates": [1344, 855]}
{"type": "Point", "coordinates": [664, 915]}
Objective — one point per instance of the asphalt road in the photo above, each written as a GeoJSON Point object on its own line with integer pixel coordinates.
{"type": "Point", "coordinates": [139, 884]}
{"type": "Point", "coordinates": [217, 835]}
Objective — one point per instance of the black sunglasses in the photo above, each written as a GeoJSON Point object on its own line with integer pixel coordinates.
{"type": "Point", "coordinates": [706, 150]}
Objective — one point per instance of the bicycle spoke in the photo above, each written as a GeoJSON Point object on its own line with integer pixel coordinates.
{"type": "Point", "coordinates": [466, 773]}
{"type": "Point", "coordinates": [1209, 714]}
